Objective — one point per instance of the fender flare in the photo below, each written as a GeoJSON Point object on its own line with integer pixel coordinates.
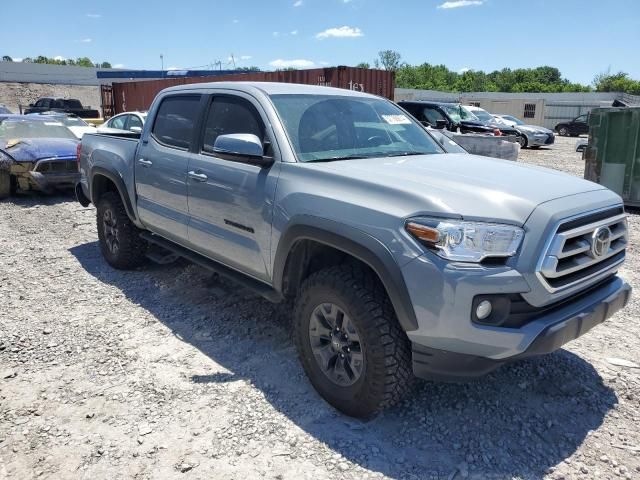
{"type": "Point", "coordinates": [120, 186]}
{"type": "Point", "coordinates": [356, 243]}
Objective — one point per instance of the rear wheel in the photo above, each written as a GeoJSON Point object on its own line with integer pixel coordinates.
{"type": "Point", "coordinates": [119, 238]}
{"type": "Point", "coordinates": [350, 342]}
{"type": "Point", "coordinates": [564, 131]}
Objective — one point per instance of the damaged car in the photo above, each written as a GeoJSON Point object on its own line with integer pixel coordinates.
{"type": "Point", "coordinates": [36, 154]}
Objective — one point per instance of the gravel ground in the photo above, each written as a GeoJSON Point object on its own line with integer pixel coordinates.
{"type": "Point", "coordinates": [168, 372]}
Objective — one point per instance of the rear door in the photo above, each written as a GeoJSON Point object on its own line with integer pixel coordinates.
{"type": "Point", "coordinates": [231, 202]}
{"type": "Point", "coordinates": [161, 166]}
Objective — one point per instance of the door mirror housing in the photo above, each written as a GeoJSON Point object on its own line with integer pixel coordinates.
{"type": "Point", "coordinates": [241, 147]}
{"type": "Point", "coordinates": [136, 129]}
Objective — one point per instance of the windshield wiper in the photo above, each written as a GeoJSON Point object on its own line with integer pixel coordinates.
{"type": "Point", "coordinates": [331, 159]}
{"type": "Point", "coordinates": [404, 154]}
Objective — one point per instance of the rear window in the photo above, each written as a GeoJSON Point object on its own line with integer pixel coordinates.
{"type": "Point", "coordinates": [175, 121]}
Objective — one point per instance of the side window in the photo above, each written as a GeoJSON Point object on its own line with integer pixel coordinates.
{"type": "Point", "coordinates": [175, 120]}
{"type": "Point", "coordinates": [134, 121]}
{"type": "Point", "coordinates": [118, 122]}
{"type": "Point", "coordinates": [44, 103]}
{"type": "Point", "coordinates": [230, 115]}
{"type": "Point", "coordinates": [56, 103]}
{"type": "Point", "coordinates": [432, 115]}
{"type": "Point", "coordinates": [581, 118]}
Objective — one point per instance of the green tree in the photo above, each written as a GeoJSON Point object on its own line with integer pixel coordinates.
{"type": "Point", "coordinates": [105, 65]}
{"type": "Point", "coordinates": [84, 62]}
{"type": "Point", "coordinates": [7, 58]}
{"type": "Point", "coordinates": [363, 65]}
{"type": "Point", "coordinates": [389, 59]}
{"type": "Point", "coordinates": [617, 82]}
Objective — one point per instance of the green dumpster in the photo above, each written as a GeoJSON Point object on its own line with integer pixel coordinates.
{"type": "Point", "coordinates": [612, 157]}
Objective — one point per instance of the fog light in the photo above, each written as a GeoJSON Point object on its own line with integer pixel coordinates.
{"type": "Point", "coordinates": [484, 309]}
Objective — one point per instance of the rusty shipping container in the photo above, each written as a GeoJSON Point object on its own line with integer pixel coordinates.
{"type": "Point", "coordinates": [127, 96]}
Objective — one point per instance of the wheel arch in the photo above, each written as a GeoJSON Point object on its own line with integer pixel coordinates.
{"type": "Point", "coordinates": [103, 180]}
{"type": "Point", "coordinates": [338, 242]}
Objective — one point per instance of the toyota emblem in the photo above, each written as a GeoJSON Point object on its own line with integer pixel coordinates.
{"type": "Point", "coordinates": [600, 242]}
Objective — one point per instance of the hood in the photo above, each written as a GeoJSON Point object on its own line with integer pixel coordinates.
{"type": "Point", "coordinates": [473, 123]}
{"type": "Point", "coordinates": [33, 149]}
{"type": "Point", "coordinates": [470, 186]}
{"type": "Point", "coordinates": [533, 128]}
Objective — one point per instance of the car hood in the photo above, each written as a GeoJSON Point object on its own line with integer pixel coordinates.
{"type": "Point", "coordinates": [33, 149]}
{"type": "Point", "coordinates": [533, 128]}
{"type": "Point", "coordinates": [469, 186]}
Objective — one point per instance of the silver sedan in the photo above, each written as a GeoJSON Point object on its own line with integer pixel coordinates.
{"type": "Point", "coordinates": [532, 135]}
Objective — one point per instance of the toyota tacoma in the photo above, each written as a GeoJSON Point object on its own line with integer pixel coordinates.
{"type": "Point", "coordinates": [396, 258]}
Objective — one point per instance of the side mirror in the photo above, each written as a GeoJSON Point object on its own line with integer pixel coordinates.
{"type": "Point", "coordinates": [440, 124]}
{"type": "Point", "coordinates": [241, 147]}
{"type": "Point", "coordinates": [136, 129]}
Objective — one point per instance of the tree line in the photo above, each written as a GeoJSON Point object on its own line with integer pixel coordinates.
{"type": "Point", "coordinates": [78, 62]}
{"type": "Point", "coordinates": [540, 79]}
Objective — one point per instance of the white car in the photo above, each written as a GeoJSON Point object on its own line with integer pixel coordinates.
{"type": "Point", "coordinates": [74, 123]}
{"type": "Point", "coordinates": [129, 121]}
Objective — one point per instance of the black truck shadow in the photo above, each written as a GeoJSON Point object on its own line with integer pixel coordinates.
{"type": "Point", "coordinates": [520, 420]}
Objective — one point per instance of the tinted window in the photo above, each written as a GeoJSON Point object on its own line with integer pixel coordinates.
{"type": "Point", "coordinates": [71, 103]}
{"type": "Point", "coordinates": [118, 122]}
{"type": "Point", "coordinates": [432, 115]}
{"type": "Point", "coordinates": [581, 118]}
{"type": "Point", "coordinates": [231, 115]}
{"type": "Point", "coordinates": [175, 120]}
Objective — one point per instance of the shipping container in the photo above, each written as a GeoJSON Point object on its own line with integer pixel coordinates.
{"type": "Point", "coordinates": [612, 156]}
{"type": "Point", "coordinates": [127, 96]}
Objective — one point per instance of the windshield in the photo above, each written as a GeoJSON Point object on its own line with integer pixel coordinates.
{"type": "Point", "coordinates": [16, 129]}
{"type": "Point", "coordinates": [458, 113]}
{"type": "Point", "coordinates": [515, 120]}
{"type": "Point", "coordinates": [484, 116]}
{"type": "Point", "coordinates": [332, 127]}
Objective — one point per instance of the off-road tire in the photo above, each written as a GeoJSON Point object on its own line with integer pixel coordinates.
{"type": "Point", "coordinates": [387, 374]}
{"type": "Point", "coordinates": [5, 184]}
{"type": "Point", "coordinates": [132, 248]}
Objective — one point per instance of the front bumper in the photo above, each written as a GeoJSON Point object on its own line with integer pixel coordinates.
{"type": "Point", "coordinates": [48, 181]}
{"type": "Point", "coordinates": [540, 140]}
{"type": "Point", "coordinates": [559, 327]}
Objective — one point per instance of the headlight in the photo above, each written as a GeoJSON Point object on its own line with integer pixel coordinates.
{"type": "Point", "coordinates": [466, 241]}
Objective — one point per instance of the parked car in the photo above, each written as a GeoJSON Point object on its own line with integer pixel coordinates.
{"type": "Point", "coordinates": [577, 126]}
{"type": "Point", "coordinates": [131, 121]}
{"type": "Point", "coordinates": [74, 123]}
{"type": "Point", "coordinates": [581, 145]}
{"type": "Point", "coordinates": [451, 116]}
{"type": "Point", "coordinates": [395, 256]}
{"type": "Point", "coordinates": [4, 110]}
{"type": "Point", "coordinates": [489, 120]}
{"type": "Point", "coordinates": [66, 105]}
{"type": "Point", "coordinates": [532, 136]}
{"type": "Point", "coordinates": [36, 154]}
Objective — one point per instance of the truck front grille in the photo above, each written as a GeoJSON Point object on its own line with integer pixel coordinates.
{"type": "Point", "coordinates": [584, 248]}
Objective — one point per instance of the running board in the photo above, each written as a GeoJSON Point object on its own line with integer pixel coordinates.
{"type": "Point", "coordinates": [256, 286]}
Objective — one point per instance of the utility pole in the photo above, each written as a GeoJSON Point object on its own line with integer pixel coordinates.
{"type": "Point", "coordinates": [162, 64]}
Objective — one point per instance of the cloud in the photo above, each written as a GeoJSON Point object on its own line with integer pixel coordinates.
{"type": "Point", "coordinates": [294, 32]}
{"type": "Point", "coordinates": [299, 63]}
{"type": "Point", "coordinates": [461, 3]}
{"type": "Point", "coordinates": [340, 32]}
{"type": "Point", "coordinates": [118, 65]}
{"type": "Point", "coordinates": [245, 57]}
{"type": "Point", "coordinates": [276, 34]}
{"type": "Point", "coordinates": [298, 3]}
{"type": "Point", "coordinates": [94, 15]}
{"type": "Point", "coordinates": [464, 69]}
{"type": "Point", "coordinates": [59, 58]}
{"type": "Point", "coordinates": [17, 59]}
{"type": "Point", "coordinates": [86, 40]}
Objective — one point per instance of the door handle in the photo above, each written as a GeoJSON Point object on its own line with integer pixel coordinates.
{"type": "Point", "coordinates": [145, 163]}
{"type": "Point", "coordinates": [200, 177]}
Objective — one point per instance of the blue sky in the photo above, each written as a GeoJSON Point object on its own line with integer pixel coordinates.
{"type": "Point", "coordinates": [580, 37]}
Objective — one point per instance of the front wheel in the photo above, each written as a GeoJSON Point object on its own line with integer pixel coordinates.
{"type": "Point", "coordinates": [5, 184]}
{"type": "Point", "coordinates": [119, 238]}
{"type": "Point", "coordinates": [522, 140]}
{"type": "Point", "coordinates": [350, 342]}
{"type": "Point", "coordinates": [564, 131]}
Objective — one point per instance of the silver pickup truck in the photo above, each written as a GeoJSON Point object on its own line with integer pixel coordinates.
{"type": "Point", "coordinates": [396, 258]}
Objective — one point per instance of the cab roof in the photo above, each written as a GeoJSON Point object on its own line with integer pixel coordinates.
{"type": "Point", "coordinates": [271, 88]}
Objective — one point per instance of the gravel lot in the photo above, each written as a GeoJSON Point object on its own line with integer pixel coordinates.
{"type": "Point", "coordinates": [168, 372]}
